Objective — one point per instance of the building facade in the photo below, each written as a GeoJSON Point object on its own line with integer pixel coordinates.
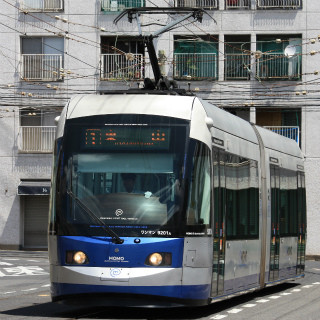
{"type": "Point", "coordinates": [258, 59]}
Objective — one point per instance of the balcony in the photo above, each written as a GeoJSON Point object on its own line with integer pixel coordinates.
{"type": "Point", "coordinates": [41, 67]}
{"type": "Point", "coordinates": [276, 66]}
{"type": "Point", "coordinates": [237, 4]}
{"type": "Point", "coordinates": [122, 66]}
{"type": "Point", "coordinates": [279, 4]}
{"type": "Point", "coordinates": [289, 132]}
{"type": "Point", "coordinates": [195, 66]}
{"type": "Point", "coordinates": [120, 5]}
{"type": "Point", "coordinates": [41, 5]}
{"type": "Point", "coordinates": [36, 139]}
{"type": "Point", "coordinates": [236, 66]}
{"type": "Point", "coordinates": [203, 4]}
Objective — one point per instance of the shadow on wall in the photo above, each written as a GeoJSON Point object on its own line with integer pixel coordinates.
{"type": "Point", "coordinates": [284, 18]}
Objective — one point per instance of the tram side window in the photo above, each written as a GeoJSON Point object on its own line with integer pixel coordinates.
{"type": "Point", "coordinates": [199, 202]}
{"type": "Point", "coordinates": [242, 198]}
{"type": "Point", "coordinates": [288, 203]}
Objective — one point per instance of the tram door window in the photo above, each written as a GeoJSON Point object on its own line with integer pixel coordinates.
{"type": "Point", "coordinates": [275, 232]}
{"type": "Point", "coordinates": [301, 222]}
{"type": "Point", "coordinates": [199, 204]}
{"type": "Point", "coordinates": [288, 203]}
{"type": "Point", "coordinates": [219, 190]}
{"type": "Point", "coordinates": [242, 198]}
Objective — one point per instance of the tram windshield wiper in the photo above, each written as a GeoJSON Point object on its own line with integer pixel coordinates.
{"type": "Point", "coordinates": [115, 238]}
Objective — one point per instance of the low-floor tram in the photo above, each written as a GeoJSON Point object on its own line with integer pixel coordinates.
{"type": "Point", "coordinates": [164, 200]}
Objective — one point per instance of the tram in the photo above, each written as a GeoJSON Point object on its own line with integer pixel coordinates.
{"type": "Point", "coordinates": [167, 200]}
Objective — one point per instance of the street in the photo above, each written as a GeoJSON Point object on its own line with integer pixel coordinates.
{"type": "Point", "coordinates": [25, 294]}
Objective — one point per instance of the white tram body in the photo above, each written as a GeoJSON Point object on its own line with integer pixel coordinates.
{"type": "Point", "coordinates": [225, 212]}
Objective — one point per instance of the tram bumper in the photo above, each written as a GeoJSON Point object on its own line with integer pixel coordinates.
{"type": "Point", "coordinates": [125, 286]}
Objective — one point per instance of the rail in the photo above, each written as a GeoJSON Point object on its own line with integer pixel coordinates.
{"type": "Point", "coordinates": [278, 66]}
{"type": "Point", "coordinates": [274, 4]}
{"type": "Point", "coordinates": [120, 5]}
{"type": "Point", "coordinates": [122, 66]}
{"type": "Point", "coordinates": [42, 67]}
{"type": "Point", "coordinates": [286, 131]}
{"type": "Point", "coordinates": [237, 66]}
{"type": "Point", "coordinates": [206, 4]}
{"type": "Point", "coordinates": [36, 139]}
{"type": "Point", "coordinates": [195, 66]}
{"type": "Point", "coordinates": [237, 4]}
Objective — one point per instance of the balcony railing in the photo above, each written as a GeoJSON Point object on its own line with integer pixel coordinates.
{"type": "Point", "coordinates": [236, 66]}
{"type": "Point", "coordinates": [36, 139]}
{"type": "Point", "coordinates": [276, 66]}
{"type": "Point", "coordinates": [195, 66]}
{"type": "Point", "coordinates": [41, 5]}
{"type": "Point", "coordinates": [279, 4]}
{"type": "Point", "coordinates": [119, 5]}
{"type": "Point", "coordinates": [206, 4]}
{"type": "Point", "coordinates": [237, 4]}
{"type": "Point", "coordinates": [122, 66]}
{"type": "Point", "coordinates": [289, 132]}
{"type": "Point", "coordinates": [41, 67]}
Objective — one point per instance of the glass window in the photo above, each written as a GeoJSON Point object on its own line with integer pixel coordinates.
{"type": "Point", "coordinates": [242, 197]}
{"type": "Point", "coordinates": [199, 202]}
{"type": "Point", "coordinates": [288, 202]}
{"type": "Point", "coordinates": [128, 176]}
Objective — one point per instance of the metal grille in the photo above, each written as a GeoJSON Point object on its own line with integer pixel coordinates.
{"type": "Point", "coordinates": [278, 66]}
{"type": "Point", "coordinates": [237, 4]}
{"type": "Point", "coordinates": [119, 5]}
{"type": "Point", "coordinates": [289, 132]}
{"type": "Point", "coordinates": [236, 66]}
{"type": "Point", "coordinates": [122, 66]}
{"type": "Point", "coordinates": [268, 4]}
{"type": "Point", "coordinates": [45, 67]}
{"type": "Point", "coordinates": [195, 66]}
{"type": "Point", "coordinates": [36, 139]}
{"type": "Point", "coordinates": [41, 5]}
{"type": "Point", "coordinates": [207, 4]}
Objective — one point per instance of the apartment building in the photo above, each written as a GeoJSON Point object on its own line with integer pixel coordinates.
{"type": "Point", "coordinates": [258, 59]}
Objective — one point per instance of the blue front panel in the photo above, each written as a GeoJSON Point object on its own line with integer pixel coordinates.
{"type": "Point", "coordinates": [196, 292]}
{"type": "Point", "coordinates": [102, 252]}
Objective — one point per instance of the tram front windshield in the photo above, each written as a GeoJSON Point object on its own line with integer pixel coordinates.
{"type": "Point", "coordinates": [124, 173]}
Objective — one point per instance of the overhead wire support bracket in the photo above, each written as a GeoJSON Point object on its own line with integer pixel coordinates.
{"type": "Point", "coordinates": [134, 13]}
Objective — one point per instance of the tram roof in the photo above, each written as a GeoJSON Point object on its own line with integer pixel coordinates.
{"type": "Point", "coordinates": [165, 105]}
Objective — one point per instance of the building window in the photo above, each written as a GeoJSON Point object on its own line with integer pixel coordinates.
{"type": "Point", "coordinates": [203, 4]}
{"type": "Point", "coordinates": [237, 4]}
{"type": "Point", "coordinates": [279, 58]}
{"type": "Point", "coordinates": [120, 5]}
{"type": "Point", "coordinates": [196, 58]}
{"type": "Point", "coordinates": [279, 4]}
{"type": "Point", "coordinates": [284, 122]}
{"type": "Point", "coordinates": [41, 58]}
{"type": "Point", "coordinates": [41, 5]}
{"type": "Point", "coordinates": [37, 130]}
{"type": "Point", "coordinates": [237, 58]}
{"type": "Point", "coordinates": [121, 58]}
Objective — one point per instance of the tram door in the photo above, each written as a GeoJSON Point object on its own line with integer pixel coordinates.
{"type": "Point", "coordinates": [275, 222]}
{"type": "Point", "coordinates": [301, 223]}
{"type": "Point", "coordinates": [219, 189]}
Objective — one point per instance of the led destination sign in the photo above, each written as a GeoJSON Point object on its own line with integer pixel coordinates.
{"type": "Point", "coordinates": [126, 137]}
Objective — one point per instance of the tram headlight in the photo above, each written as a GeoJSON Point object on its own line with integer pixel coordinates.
{"type": "Point", "coordinates": [159, 259]}
{"type": "Point", "coordinates": [76, 257]}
